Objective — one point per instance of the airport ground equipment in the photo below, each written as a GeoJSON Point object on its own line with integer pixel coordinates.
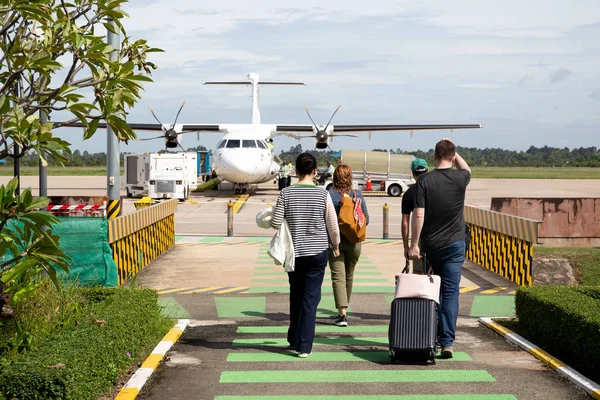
{"type": "Point", "coordinates": [389, 173]}
{"type": "Point", "coordinates": [161, 175]}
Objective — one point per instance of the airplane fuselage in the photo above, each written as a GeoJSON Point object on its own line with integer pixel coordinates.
{"type": "Point", "coordinates": [243, 156]}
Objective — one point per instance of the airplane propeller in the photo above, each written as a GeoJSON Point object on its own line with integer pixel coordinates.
{"type": "Point", "coordinates": [321, 135]}
{"type": "Point", "coordinates": [170, 134]}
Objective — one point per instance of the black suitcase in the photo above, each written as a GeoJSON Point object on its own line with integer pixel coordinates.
{"type": "Point", "coordinates": [413, 330]}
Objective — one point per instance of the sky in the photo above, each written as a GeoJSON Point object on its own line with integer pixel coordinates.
{"type": "Point", "coordinates": [527, 69]}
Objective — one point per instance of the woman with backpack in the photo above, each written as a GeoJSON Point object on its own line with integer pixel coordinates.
{"type": "Point", "coordinates": [353, 219]}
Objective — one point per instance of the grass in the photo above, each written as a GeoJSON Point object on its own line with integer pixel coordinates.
{"type": "Point", "coordinates": [534, 173]}
{"type": "Point", "coordinates": [56, 171]}
{"type": "Point", "coordinates": [478, 172]}
{"type": "Point", "coordinates": [585, 262]}
{"type": "Point", "coordinates": [83, 352]}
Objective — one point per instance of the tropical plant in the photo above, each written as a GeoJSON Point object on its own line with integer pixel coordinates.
{"type": "Point", "coordinates": [54, 57]}
{"type": "Point", "coordinates": [28, 249]}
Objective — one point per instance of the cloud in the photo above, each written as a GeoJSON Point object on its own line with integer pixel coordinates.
{"type": "Point", "coordinates": [522, 81]}
{"type": "Point", "coordinates": [559, 75]}
{"type": "Point", "coordinates": [480, 86]}
{"type": "Point", "coordinates": [596, 95]}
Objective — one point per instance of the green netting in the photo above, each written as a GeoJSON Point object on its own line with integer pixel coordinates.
{"type": "Point", "coordinates": [85, 240]}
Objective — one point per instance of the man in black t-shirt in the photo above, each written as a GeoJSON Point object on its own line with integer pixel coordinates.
{"type": "Point", "coordinates": [419, 167]}
{"type": "Point", "coordinates": [438, 220]}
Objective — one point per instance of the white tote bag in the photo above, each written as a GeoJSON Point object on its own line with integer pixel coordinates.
{"type": "Point", "coordinates": [413, 286]}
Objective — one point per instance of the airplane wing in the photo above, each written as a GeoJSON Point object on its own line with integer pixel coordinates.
{"type": "Point", "coordinates": [158, 127]}
{"type": "Point", "coordinates": [309, 129]}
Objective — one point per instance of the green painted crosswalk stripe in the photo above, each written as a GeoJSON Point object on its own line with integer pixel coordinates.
{"type": "Point", "coordinates": [262, 267]}
{"type": "Point", "coordinates": [371, 273]}
{"type": "Point", "coordinates": [319, 329]}
{"type": "Point", "coordinates": [355, 376]}
{"type": "Point", "coordinates": [337, 341]}
{"type": "Point", "coordinates": [234, 307]}
{"type": "Point", "coordinates": [327, 307]}
{"type": "Point", "coordinates": [326, 289]}
{"type": "Point", "coordinates": [212, 239]}
{"type": "Point", "coordinates": [493, 306]}
{"type": "Point", "coordinates": [257, 239]}
{"type": "Point", "coordinates": [327, 356]}
{"type": "Point", "coordinates": [377, 397]}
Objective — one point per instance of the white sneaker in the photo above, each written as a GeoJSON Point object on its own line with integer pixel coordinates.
{"type": "Point", "coordinates": [304, 355]}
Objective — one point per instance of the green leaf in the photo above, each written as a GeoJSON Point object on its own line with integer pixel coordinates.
{"type": "Point", "coordinates": [19, 269]}
{"type": "Point", "coordinates": [92, 127]}
{"type": "Point", "coordinates": [39, 202]}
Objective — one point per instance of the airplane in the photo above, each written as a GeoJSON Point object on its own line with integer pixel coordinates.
{"type": "Point", "coordinates": [243, 156]}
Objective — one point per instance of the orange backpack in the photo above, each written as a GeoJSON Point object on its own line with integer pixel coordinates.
{"type": "Point", "coordinates": [348, 221]}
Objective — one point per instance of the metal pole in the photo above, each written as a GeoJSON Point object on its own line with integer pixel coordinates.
{"type": "Point", "coordinates": [386, 221]}
{"type": "Point", "coordinates": [229, 218]}
{"type": "Point", "coordinates": [43, 170]}
{"type": "Point", "coordinates": [17, 168]}
{"type": "Point", "coordinates": [113, 165]}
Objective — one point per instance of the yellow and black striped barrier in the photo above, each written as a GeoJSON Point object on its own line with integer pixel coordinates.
{"type": "Point", "coordinates": [113, 209]}
{"type": "Point", "coordinates": [137, 239]}
{"type": "Point", "coordinates": [502, 243]}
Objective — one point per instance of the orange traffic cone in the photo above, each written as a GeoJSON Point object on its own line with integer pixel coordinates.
{"type": "Point", "coordinates": [369, 187]}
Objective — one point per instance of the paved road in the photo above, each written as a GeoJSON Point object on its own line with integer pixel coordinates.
{"type": "Point", "coordinates": [235, 346]}
{"type": "Point", "coordinates": [206, 213]}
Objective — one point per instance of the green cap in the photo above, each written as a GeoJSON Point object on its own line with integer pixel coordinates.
{"type": "Point", "coordinates": [419, 165]}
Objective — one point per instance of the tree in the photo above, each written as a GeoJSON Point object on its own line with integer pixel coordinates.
{"type": "Point", "coordinates": [52, 58]}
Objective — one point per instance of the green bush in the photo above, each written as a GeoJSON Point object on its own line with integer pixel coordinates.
{"type": "Point", "coordinates": [117, 328]}
{"type": "Point", "coordinates": [564, 321]}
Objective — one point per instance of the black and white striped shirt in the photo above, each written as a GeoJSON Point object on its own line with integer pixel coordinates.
{"type": "Point", "coordinates": [311, 216]}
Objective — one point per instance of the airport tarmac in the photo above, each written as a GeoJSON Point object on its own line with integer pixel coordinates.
{"type": "Point", "coordinates": [206, 213]}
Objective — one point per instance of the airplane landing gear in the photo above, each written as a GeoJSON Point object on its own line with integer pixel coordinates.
{"type": "Point", "coordinates": [241, 189]}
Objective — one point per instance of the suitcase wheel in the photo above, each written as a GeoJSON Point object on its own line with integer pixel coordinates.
{"type": "Point", "coordinates": [432, 354]}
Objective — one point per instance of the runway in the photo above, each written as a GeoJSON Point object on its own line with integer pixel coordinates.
{"type": "Point", "coordinates": [206, 213]}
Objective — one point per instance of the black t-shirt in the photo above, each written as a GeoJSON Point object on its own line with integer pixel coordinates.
{"type": "Point", "coordinates": [442, 193]}
{"type": "Point", "coordinates": [408, 200]}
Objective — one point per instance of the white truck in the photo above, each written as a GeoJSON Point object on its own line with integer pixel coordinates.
{"type": "Point", "coordinates": [390, 173]}
{"type": "Point", "coordinates": [160, 175]}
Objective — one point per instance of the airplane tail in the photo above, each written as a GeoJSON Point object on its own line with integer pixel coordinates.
{"type": "Point", "coordinates": [253, 80]}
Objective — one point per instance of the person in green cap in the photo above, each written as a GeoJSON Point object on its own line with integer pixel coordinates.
{"type": "Point", "coordinates": [419, 168]}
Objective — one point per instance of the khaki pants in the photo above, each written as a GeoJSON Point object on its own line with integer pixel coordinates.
{"type": "Point", "coordinates": [342, 271]}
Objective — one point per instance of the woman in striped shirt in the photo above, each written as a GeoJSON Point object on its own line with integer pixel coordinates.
{"type": "Point", "coordinates": [312, 220]}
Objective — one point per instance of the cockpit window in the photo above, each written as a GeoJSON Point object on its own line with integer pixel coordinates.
{"type": "Point", "coordinates": [221, 144]}
{"type": "Point", "coordinates": [233, 144]}
{"type": "Point", "coordinates": [261, 144]}
{"type": "Point", "coordinates": [249, 144]}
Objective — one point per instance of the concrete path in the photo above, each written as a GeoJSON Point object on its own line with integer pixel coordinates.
{"type": "Point", "coordinates": [235, 347]}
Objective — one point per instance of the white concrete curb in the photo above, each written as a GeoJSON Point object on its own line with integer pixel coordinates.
{"type": "Point", "coordinates": [138, 380]}
{"type": "Point", "coordinates": [591, 387]}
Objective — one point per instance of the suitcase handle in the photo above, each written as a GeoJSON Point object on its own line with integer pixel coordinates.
{"type": "Point", "coordinates": [425, 262]}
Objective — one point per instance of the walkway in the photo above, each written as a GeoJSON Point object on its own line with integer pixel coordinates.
{"type": "Point", "coordinates": [235, 347]}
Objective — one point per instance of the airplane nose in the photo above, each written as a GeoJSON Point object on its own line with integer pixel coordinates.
{"type": "Point", "coordinates": [234, 168]}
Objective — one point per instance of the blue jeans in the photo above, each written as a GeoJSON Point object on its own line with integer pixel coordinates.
{"type": "Point", "coordinates": [305, 295]}
{"type": "Point", "coordinates": [447, 263]}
